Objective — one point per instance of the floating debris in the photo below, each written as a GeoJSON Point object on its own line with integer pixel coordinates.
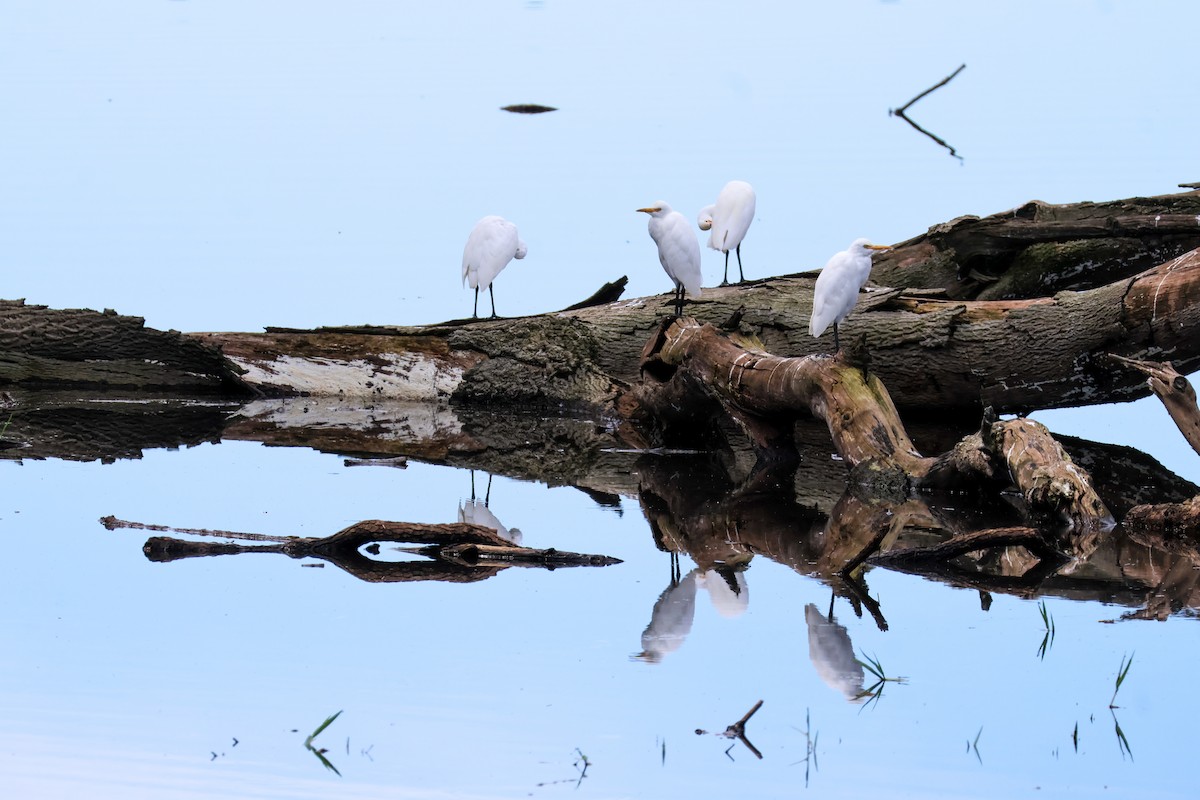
{"type": "Point", "coordinates": [528, 108]}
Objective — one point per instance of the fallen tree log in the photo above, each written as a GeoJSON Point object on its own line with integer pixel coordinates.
{"type": "Point", "coordinates": [952, 355]}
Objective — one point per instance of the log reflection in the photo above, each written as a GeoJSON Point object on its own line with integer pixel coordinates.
{"type": "Point", "coordinates": [457, 553]}
{"type": "Point", "coordinates": [695, 508]}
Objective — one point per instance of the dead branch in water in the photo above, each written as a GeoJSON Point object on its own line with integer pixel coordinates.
{"type": "Point", "coordinates": [899, 112]}
{"type": "Point", "coordinates": [456, 551]}
{"type": "Point", "coordinates": [738, 731]}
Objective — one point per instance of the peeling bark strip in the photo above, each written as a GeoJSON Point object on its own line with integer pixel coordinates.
{"type": "Point", "coordinates": [353, 364]}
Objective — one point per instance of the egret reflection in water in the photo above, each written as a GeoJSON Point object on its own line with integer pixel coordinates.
{"type": "Point", "coordinates": [832, 654]}
{"type": "Point", "coordinates": [478, 512]}
{"type": "Point", "coordinates": [674, 611]}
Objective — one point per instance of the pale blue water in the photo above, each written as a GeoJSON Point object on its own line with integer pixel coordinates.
{"type": "Point", "coordinates": [231, 165]}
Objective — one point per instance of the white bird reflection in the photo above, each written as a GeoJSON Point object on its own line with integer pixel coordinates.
{"type": "Point", "coordinates": [832, 654]}
{"type": "Point", "coordinates": [477, 512]}
{"type": "Point", "coordinates": [675, 609]}
{"type": "Point", "coordinates": [729, 593]}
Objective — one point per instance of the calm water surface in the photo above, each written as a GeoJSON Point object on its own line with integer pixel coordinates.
{"type": "Point", "coordinates": [228, 166]}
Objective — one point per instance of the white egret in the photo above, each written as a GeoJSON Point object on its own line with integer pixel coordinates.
{"type": "Point", "coordinates": [729, 219]}
{"type": "Point", "coordinates": [492, 244]}
{"type": "Point", "coordinates": [678, 250]}
{"type": "Point", "coordinates": [838, 284]}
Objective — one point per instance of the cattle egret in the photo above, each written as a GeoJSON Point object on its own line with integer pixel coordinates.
{"type": "Point", "coordinates": [837, 287]}
{"type": "Point", "coordinates": [729, 219]}
{"type": "Point", "coordinates": [678, 250]}
{"type": "Point", "coordinates": [492, 244]}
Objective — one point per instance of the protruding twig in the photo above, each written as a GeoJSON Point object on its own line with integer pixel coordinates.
{"type": "Point", "coordinates": [899, 112]}
{"type": "Point", "coordinates": [738, 731]}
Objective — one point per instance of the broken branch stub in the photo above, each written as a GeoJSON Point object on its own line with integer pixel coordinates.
{"type": "Point", "coordinates": [862, 419]}
{"type": "Point", "coordinates": [1176, 393]}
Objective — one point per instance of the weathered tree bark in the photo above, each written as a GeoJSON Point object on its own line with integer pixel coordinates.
{"type": "Point", "coordinates": [1039, 249]}
{"type": "Point", "coordinates": [82, 348]}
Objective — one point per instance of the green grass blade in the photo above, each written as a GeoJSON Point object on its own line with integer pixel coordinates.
{"type": "Point", "coordinates": [328, 764]}
{"type": "Point", "coordinates": [328, 721]}
{"type": "Point", "coordinates": [1122, 671]}
{"type": "Point", "coordinates": [872, 665]}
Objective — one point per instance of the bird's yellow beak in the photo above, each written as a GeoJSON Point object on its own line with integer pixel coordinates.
{"type": "Point", "coordinates": [878, 247]}
{"type": "Point", "coordinates": [649, 210]}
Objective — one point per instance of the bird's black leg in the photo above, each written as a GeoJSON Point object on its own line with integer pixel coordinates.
{"type": "Point", "coordinates": [487, 498]}
{"type": "Point", "coordinates": [679, 300]}
{"type": "Point", "coordinates": [725, 277]}
{"type": "Point", "coordinates": [472, 484]}
{"type": "Point", "coordinates": [492, 293]}
{"type": "Point", "coordinates": [741, 277]}
{"type": "Point", "coordinates": [836, 345]}
{"type": "Point", "coordinates": [475, 310]}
